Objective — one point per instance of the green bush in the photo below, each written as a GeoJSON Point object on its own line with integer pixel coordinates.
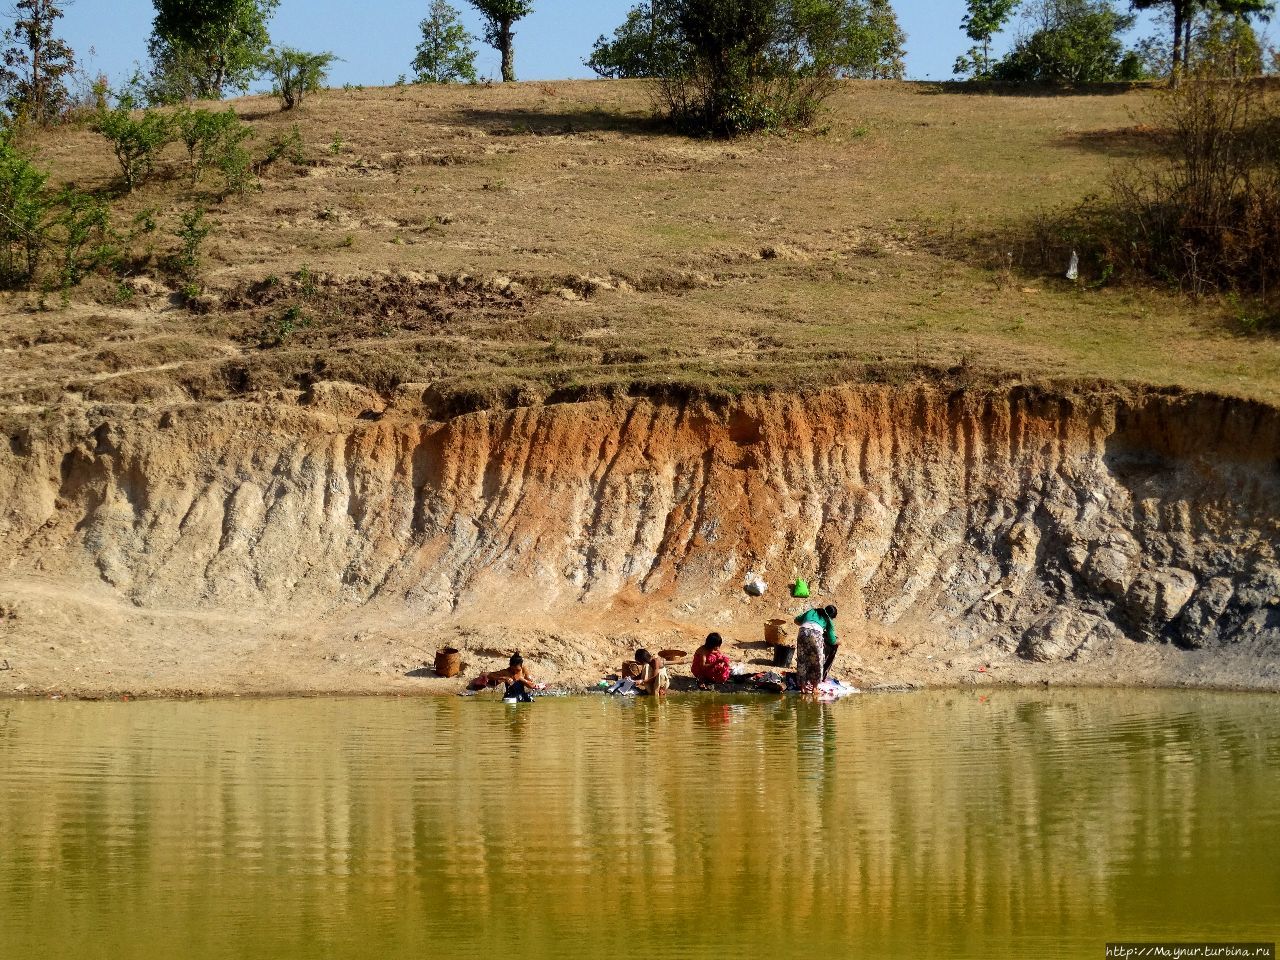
{"type": "Point", "coordinates": [284, 146]}
{"type": "Point", "coordinates": [136, 140]}
{"type": "Point", "coordinates": [84, 234]}
{"type": "Point", "coordinates": [193, 229]}
{"type": "Point", "coordinates": [36, 222]}
{"type": "Point", "coordinates": [1078, 41]}
{"type": "Point", "coordinates": [214, 141]}
{"type": "Point", "coordinates": [26, 211]}
{"type": "Point", "coordinates": [295, 73]}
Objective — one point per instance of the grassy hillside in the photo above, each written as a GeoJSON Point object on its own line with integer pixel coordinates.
{"type": "Point", "coordinates": [515, 243]}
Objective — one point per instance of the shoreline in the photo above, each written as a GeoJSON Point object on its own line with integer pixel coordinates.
{"type": "Point", "coordinates": [438, 691]}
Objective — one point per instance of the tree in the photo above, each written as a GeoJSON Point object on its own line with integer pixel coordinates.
{"type": "Point", "coordinates": [37, 64]}
{"type": "Point", "coordinates": [1075, 41]}
{"type": "Point", "coordinates": [295, 73]}
{"type": "Point", "coordinates": [646, 44]}
{"type": "Point", "coordinates": [1183, 16]}
{"type": "Point", "coordinates": [985, 18]}
{"type": "Point", "coordinates": [847, 38]}
{"type": "Point", "coordinates": [889, 42]}
{"type": "Point", "coordinates": [500, 16]}
{"type": "Point", "coordinates": [202, 47]}
{"type": "Point", "coordinates": [1226, 45]}
{"type": "Point", "coordinates": [445, 54]}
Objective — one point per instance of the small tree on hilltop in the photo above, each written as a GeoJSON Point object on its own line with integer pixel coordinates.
{"type": "Point", "coordinates": [645, 45]}
{"type": "Point", "coordinates": [1183, 15]}
{"type": "Point", "coordinates": [1074, 42]}
{"type": "Point", "coordinates": [204, 47]}
{"type": "Point", "coordinates": [37, 64]}
{"type": "Point", "coordinates": [889, 60]}
{"type": "Point", "coordinates": [296, 73]}
{"type": "Point", "coordinates": [985, 18]}
{"type": "Point", "coordinates": [445, 54]}
{"type": "Point", "coordinates": [500, 16]}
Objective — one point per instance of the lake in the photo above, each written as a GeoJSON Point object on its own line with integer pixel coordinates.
{"type": "Point", "coordinates": [951, 824]}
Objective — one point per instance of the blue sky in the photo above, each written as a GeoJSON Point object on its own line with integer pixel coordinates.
{"type": "Point", "coordinates": [376, 38]}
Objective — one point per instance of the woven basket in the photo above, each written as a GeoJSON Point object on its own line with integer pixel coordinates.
{"type": "Point", "coordinates": [448, 662]}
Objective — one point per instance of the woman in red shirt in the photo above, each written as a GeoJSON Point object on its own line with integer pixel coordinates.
{"type": "Point", "coordinates": [709, 664]}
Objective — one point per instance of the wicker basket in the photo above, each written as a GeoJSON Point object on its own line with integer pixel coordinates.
{"type": "Point", "coordinates": [448, 662]}
{"type": "Point", "coordinates": [774, 632]}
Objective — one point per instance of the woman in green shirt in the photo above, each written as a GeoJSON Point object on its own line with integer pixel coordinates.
{"type": "Point", "coordinates": [816, 645]}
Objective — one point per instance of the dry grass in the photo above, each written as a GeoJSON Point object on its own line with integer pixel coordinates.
{"type": "Point", "coordinates": [640, 260]}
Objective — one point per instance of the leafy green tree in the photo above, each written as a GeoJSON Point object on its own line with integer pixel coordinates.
{"type": "Point", "coordinates": [848, 38]}
{"type": "Point", "coordinates": [1077, 41]}
{"type": "Point", "coordinates": [499, 17]}
{"type": "Point", "coordinates": [1226, 45]}
{"type": "Point", "coordinates": [889, 42]}
{"type": "Point", "coordinates": [445, 54]}
{"type": "Point", "coordinates": [37, 63]}
{"type": "Point", "coordinates": [1183, 15]}
{"type": "Point", "coordinates": [295, 73]}
{"type": "Point", "coordinates": [202, 48]}
{"type": "Point", "coordinates": [646, 44]}
{"type": "Point", "coordinates": [984, 19]}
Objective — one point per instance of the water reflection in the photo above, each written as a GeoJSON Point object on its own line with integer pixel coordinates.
{"type": "Point", "coordinates": [945, 823]}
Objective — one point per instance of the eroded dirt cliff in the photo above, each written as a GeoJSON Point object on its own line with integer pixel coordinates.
{"type": "Point", "coordinates": [331, 540]}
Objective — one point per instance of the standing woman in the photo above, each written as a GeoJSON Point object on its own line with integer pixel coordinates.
{"type": "Point", "coordinates": [816, 646]}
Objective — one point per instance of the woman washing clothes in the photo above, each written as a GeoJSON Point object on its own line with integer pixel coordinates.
{"type": "Point", "coordinates": [816, 646]}
{"type": "Point", "coordinates": [710, 665]}
{"type": "Point", "coordinates": [517, 684]}
{"type": "Point", "coordinates": [654, 678]}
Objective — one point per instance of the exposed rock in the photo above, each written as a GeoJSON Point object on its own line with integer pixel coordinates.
{"type": "Point", "coordinates": [1110, 570]}
{"type": "Point", "coordinates": [989, 516]}
{"type": "Point", "coordinates": [342, 399]}
{"type": "Point", "coordinates": [1262, 589]}
{"type": "Point", "coordinates": [1157, 597]}
{"type": "Point", "coordinates": [1063, 634]}
{"type": "Point", "coordinates": [1198, 626]}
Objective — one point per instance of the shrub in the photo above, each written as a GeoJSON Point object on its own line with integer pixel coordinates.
{"type": "Point", "coordinates": [85, 236]}
{"type": "Point", "coordinates": [214, 141]}
{"type": "Point", "coordinates": [295, 73]}
{"type": "Point", "coordinates": [1077, 41]}
{"type": "Point", "coordinates": [1203, 214]}
{"type": "Point", "coordinates": [25, 214]}
{"type": "Point", "coordinates": [193, 229]}
{"type": "Point", "coordinates": [1207, 217]}
{"type": "Point", "coordinates": [35, 222]}
{"type": "Point", "coordinates": [136, 140]}
{"type": "Point", "coordinates": [287, 146]}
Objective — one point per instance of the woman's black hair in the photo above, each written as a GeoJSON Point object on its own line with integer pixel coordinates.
{"type": "Point", "coordinates": [831, 611]}
{"type": "Point", "coordinates": [643, 656]}
{"type": "Point", "coordinates": [714, 640]}
{"type": "Point", "coordinates": [517, 660]}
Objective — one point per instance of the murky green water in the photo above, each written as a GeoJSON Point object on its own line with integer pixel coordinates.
{"type": "Point", "coordinates": [1022, 825]}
